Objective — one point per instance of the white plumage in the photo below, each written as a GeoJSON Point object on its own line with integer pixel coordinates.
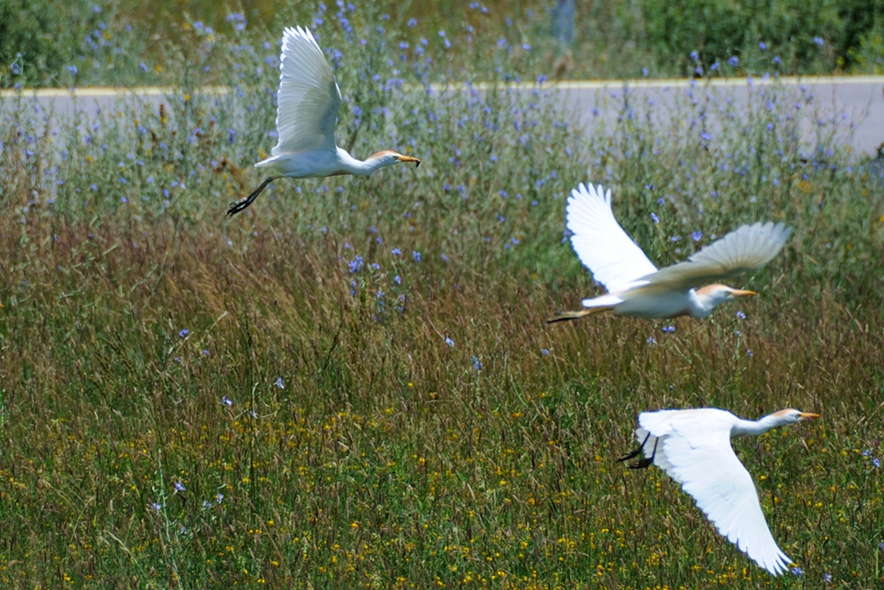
{"type": "Point", "coordinates": [309, 99]}
{"type": "Point", "coordinates": [693, 447]}
{"type": "Point", "coordinates": [635, 286]}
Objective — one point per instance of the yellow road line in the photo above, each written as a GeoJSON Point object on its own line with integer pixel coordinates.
{"type": "Point", "coordinates": [563, 85]}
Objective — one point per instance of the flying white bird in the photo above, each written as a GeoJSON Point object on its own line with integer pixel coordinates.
{"type": "Point", "coordinates": [636, 287]}
{"type": "Point", "coordinates": [309, 99]}
{"type": "Point", "coordinates": [694, 448]}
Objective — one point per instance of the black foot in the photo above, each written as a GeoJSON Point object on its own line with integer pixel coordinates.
{"type": "Point", "coordinates": [242, 204]}
{"type": "Point", "coordinates": [641, 463]}
{"type": "Point", "coordinates": [629, 456]}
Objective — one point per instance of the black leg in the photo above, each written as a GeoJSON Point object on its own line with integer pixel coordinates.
{"type": "Point", "coordinates": [642, 463]}
{"type": "Point", "coordinates": [645, 463]}
{"type": "Point", "coordinates": [237, 206]}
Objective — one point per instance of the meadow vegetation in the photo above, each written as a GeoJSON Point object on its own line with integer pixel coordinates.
{"type": "Point", "coordinates": [133, 42]}
{"type": "Point", "coordinates": [352, 384]}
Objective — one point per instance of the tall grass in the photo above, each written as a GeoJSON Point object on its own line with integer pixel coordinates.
{"type": "Point", "coordinates": [352, 385]}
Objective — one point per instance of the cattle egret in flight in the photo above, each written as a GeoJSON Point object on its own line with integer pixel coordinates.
{"type": "Point", "coordinates": [309, 98]}
{"type": "Point", "coordinates": [636, 287]}
{"type": "Point", "coordinates": [694, 448]}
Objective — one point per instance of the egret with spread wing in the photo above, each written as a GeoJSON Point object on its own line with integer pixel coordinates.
{"type": "Point", "coordinates": [694, 448]}
{"type": "Point", "coordinates": [309, 98]}
{"type": "Point", "coordinates": [636, 287]}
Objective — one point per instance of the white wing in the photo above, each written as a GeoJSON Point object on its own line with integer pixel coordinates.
{"type": "Point", "coordinates": [696, 452]}
{"type": "Point", "coordinates": [599, 241]}
{"type": "Point", "coordinates": [308, 96]}
{"type": "Point", "coordinates": [746, 248]}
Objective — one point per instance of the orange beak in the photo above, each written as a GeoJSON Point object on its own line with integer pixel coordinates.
{"type": "Point", "coordinates": [416, 161]}
{"type": "Point", "coordinates": [807, 415]}
{"type": "Point", "coordinates": [742, 293]}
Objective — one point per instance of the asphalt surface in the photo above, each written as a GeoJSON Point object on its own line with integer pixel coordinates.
{"type": "Point", "coordinates": [850, 107]}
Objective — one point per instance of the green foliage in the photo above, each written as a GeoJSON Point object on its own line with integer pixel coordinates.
{"type": "Point", "coordinates": [133, 42]}
{"type": "Point", "coordinates": [719, 30]}
{"type": "Point", "coordinates": [37, 40]}
{"type": "Point", "coordinates": [352, 385]}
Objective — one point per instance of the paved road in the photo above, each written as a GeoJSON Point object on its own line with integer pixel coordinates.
{"type": "Point", "coordinates": [851, 107]}
{"type": "Point", "coordinates": [855, 104]}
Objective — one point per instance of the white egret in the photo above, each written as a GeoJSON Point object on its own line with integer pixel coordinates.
{"type": "Point", "coordinates": [309, 99]}
{"type": "Point", "coordinates": [694, 448]}
{"type": "Point", "coordinates": [636, 287]}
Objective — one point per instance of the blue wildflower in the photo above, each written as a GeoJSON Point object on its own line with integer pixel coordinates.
{"type": "Point", "coordinates": [183, 333]}
{"type": "Point", "coordinates": [279, 383]}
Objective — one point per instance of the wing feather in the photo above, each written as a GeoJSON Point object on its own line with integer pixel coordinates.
{"type": "Point", "coordinates": [599, 241]}
{"type": "Point", "coordinates": [697, 454]}
{"type": "Point", "coordinates": [746, 248]}
{"type": "Point", "coordinates": [308, 95]}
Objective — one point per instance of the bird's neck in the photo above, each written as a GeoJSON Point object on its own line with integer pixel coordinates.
{"type": "Point", "coordinates": [360, 167]}
{"type": "Point", "coordinates": [701, 304]}
{"type": "Point", "coordinates": [755, 427]}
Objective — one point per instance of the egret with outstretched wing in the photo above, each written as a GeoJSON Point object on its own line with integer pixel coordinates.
{"type": "Point", "coordinates": [694, 448]}
{"type": "Point", "coordinates": [309, 99]}
{"type": "Point", "coordinates": [636, 287]}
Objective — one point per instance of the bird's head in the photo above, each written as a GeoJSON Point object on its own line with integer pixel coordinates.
{"type": "Point", "coordinates": [389, 157]}
{"type": "Point", "coordinates": [717, 294]}
{"type": "Point", "coordinates": [790, 416]}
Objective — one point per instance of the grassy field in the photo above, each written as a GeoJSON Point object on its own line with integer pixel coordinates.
{"type": "Point", "coordinates": [352, 384]}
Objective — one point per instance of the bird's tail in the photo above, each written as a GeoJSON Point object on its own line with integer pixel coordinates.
{"type": "Point", "coordinates": [564, 316]}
